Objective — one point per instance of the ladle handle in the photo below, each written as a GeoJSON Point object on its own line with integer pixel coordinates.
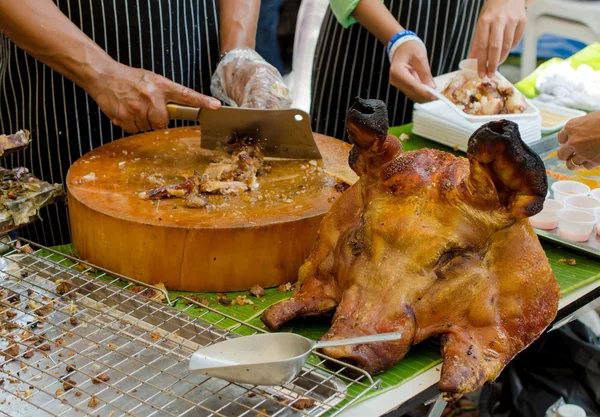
{"type": "Point", "coordinates": [383, 337]}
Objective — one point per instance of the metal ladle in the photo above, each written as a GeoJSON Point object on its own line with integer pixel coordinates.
{"type": "Point", "coordinates": [267, 359]}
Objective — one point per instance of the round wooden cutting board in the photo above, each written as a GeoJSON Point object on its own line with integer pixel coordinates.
{"type": "Point", "coordinates": [257, 238]}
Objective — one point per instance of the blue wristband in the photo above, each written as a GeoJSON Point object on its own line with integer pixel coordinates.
{"type": "Point", "coordinates": [397, 36]}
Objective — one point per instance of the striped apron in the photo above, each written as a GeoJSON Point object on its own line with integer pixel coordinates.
{"type": "Point", "coordinates": [177, 39]}
{"type": "Point", "coordinates": [352, 62]}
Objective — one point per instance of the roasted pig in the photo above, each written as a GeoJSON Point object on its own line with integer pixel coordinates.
{"type": "Point", "coordinates": [430, 244]}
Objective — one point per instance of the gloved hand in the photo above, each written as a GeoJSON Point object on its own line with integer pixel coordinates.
{"type": "Point", "coordinates": [244, 79]}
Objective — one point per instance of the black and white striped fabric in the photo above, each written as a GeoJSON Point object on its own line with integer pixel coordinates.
{"type": "Point", "coordinates": [174, 38]}
{"type": "Point", "coordinates": [352, 62]}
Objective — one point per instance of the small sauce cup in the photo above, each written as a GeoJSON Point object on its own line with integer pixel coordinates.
{"type": "Point", "coordinates": [595, 194]}
{"type": "Point", "coordinates": [576, 225]}
{"type": "Point", "coordinates": [581, 202]}
{"type": "Point", "coordinates": [561, 189]}
{"type": "Point", "coordinates": [547, 219]}
{"type": "Point", "coordinates": [597, 213]}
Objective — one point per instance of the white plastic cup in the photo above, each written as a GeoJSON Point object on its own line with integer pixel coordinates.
{"type": "Point", "coordinates": [597, 213]}
{"type": "Point", "coordinates": [547, 219]}
{"type": "Point", "coordinates": [595, 194]}
{"type": "Point", "coordinates": [570, 410]}
{"type": "Point", "coordinates": [468, 65]}
{"type": "Point", "coordinates": [561, 189]}
{"type": "Point", "coordinates": [581, 202]}
{"type": "Point", "coordinates": [576, 225]}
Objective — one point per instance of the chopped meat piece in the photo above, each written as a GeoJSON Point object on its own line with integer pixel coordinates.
{"type": "Point", "coordinates": [69, 384]}
{"type": "Point", "coordinates": [13, 142]}
{"type": "Point", "coordinates": [285, 287]}
{"type": "Point", "coordinates": [431, 245]}
{"type": "Point", "coordinates": [257, 291]}
{"type": "Point", "coordinates": [28, 393]}
{"type": "Point", "coordinates": [28, 354]}
{"type": "Point", "coordinates": [59, 392]}
{"type": "Point", "coordinates": [70, 368]}
{"type": "Point", "coordinates": [175, 190]}
{"type": "Point", "coordinates": [571, 262]}
{"type": "Point", "coordinates": [11, 314]}
{"type": "Point", "coordinates": [223, 187]}
{"type": "Point", "coordinates": [74, 321]}
{"type": "Point", "coordinates": [78, 394]}
{"type": "Point", "coordinates": [103, 377]}
{"type": "Point", "coordinates": [231, 174]}
{"type": "Point", "coordinates": [45, 347]}
{"type": "Point", "coordinates": [303, 403]}
{"type": "Point", "coordinates": [195, 200]}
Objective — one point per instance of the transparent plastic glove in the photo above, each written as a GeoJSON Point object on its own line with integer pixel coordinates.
{"type": "Point", "coordinates": [244, 79]}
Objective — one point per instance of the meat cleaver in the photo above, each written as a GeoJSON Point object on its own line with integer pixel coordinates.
{"type": "Point", "coordinates": [281, 133]}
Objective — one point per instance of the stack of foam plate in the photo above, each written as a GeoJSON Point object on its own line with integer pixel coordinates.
{"type": "Point", "coordinates": [445, 123]}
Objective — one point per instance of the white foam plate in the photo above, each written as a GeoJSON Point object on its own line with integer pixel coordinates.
{"type": "Point", "coordinates": [442, 81]}
{"type": "Point", "coordinates": [560, 110]}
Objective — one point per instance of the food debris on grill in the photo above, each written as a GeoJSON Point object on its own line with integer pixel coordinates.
{"type": "Point", "coordinates": [45, 347]}
{"type": "Point", "coordinates": [12, 351]}
{"type": "Point", "coordinates": [28, 354]}
{"type": "Point", "coordinates": [303, 403]}
{"type": "Point", "coordinates": [63, 286]}
{"type": "Point", "coordinates": [74, 321]}
{"type": "Point", "coordinates": [13, 297]}
{"type": "Point", "coordinates": [570, 262]}
{"type": "Point", "coordinates": [93, 402]}
{"type": "Point", "coordinates": [150, 293]}
{"type": "Point", "coordinates": [69, 384]}
{"type": "Point", "coordinates": [103, 377]}
{"type": "Point", "coordinates": [257, 291]}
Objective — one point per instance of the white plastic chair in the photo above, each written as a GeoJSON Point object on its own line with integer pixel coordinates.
{"type": "Point", "coordinates": [572, 19]}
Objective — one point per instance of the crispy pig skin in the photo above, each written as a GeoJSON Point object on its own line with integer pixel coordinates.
{"type": "Point", "coordinates": [431, 245]}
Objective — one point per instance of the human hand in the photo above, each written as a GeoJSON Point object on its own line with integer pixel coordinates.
{"type": "Point", "coordinates": [500, 27]}
{"type": "Point", "coordinates": [580, 142]}
{"type": "Point", "coordinates": [409, 71]}
{"type": "Point", "coordinates": [136, 99]}
{"type": "Point", "coordinates": [244, 79]}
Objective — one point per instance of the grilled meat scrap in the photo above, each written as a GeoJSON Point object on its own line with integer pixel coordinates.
{"type": "Point", "coordinates": [431, 245]}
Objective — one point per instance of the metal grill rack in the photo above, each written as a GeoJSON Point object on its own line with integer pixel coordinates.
{"type": "Point", "coordinates": [75, 345]}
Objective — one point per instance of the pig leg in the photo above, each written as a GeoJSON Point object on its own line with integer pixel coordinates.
{"type": "Point", "coordinates": [317, 290]}
{"type": "Point", "coordinates": [470, 360]}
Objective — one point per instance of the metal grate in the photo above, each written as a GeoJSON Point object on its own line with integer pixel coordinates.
{"type": "Point", "coordinates": [63, 332]}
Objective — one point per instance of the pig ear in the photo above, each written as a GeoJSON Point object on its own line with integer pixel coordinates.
{"type": "Point", "coordinates": [518, 174]}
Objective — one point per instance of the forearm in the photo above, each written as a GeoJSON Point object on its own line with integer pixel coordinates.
{"type": "Point", "coordinates": [237, 23]}
{"type": "Point", "coordinates": [377, 19]}
{"type": "Point", "coordinates": [43, 31]}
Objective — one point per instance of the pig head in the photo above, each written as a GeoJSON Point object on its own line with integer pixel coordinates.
{"type": "Point", "coordinates": [430, 244]}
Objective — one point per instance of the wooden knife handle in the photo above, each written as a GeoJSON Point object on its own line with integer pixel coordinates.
{"type": "Point", "coordinates": [180, 112]}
